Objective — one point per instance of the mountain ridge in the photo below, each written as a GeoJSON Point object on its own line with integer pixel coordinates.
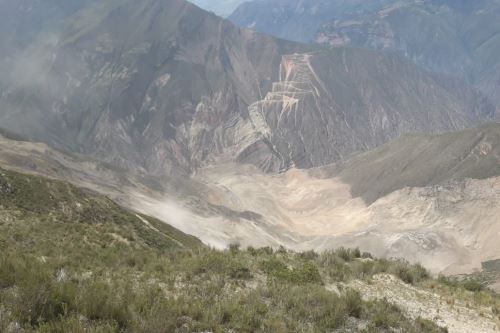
{"type": "Point", "coordinates": [456, 38]}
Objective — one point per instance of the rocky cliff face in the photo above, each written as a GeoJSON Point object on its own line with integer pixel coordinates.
{"type": "Point", "coordinates": [327, 105]}
{"type": "Point", "coordinates": [163, 93]}
{"type": "Point", "coordinates": [458, 38]}
{"type": "Point", "coordinates": [181, 88]}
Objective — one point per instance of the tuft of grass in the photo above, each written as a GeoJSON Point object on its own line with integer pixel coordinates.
{"type": "Point", "coordinates": [304, 273]}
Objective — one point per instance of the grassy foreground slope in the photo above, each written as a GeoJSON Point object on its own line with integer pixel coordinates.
{"type": "Point", "coordinates": [74, 261]}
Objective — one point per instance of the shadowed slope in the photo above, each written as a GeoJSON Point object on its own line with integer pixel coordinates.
{"type": "Point", "coordinates": [419, 161]}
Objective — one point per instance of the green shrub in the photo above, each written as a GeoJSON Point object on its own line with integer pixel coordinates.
{"type": "Point", "coordinates": [472, 285]}
{"type": "Point", "coordinates": [234, 247]}
{"type": "Point", "coordinates": [7, 272]}
{"type": "Point", "coordinates": [345, 254]}
{"type": "Point", "coordinates": [240, 272]}
{"type": "Point", "coordinates": [303, 274]}
{"type": "Point", "coordinates": [366, 255]}
{"type": "Point", "coordinates": [308, 255]}
{"type": "Point", "coordinates": [282, 250]}
{"type": "Point", "coordinates": [353, 303]}
{"type": "Point", "coordinates": [410, 274]}
{"type": "Point", "coordinates": [386, 315]}
{"type": "Point", "coordinates": [307, 273]}
{"type": "Point", "coordinates": [252, 251]}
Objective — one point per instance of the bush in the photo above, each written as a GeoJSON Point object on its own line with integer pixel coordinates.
{"type": "Point", "coordinates": [353, 303]}
{"type": "Point", "coordinates": [385, 315]}
{"type": "Point", "coordinates": [7, 272]}
{"type": "Point", "coordinates": [239, 272]}
{"type": "Point", "coordinates": [234, 247]}
{"type": "Point", "coordinates": [282, 250]}
{"type": "Point", "coordinates": [410, 274]}
{"type": "Point", "coordinates": [304, 274]}
{"type": "Point", "coordinates": [308, 255]}
{"type": "Point", "coordinates": [345, 254]}
{"type": "Point", "coordinates": [106, 302]}
{"type": "Point", "coordinates": [472, 285]}
{"type": "Point", "coordinates": [366, 255]}
{"type": "Point", "coordinates": [307, 273]}
{"type": "Point", "coordinates": [252, 251]}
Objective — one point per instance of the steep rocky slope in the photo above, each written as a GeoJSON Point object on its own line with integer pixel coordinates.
{"type": "Point", "coordinates": [182, 88]}
{"type": "Point", "coordinates": [23, 20]}
{"type": "Point", "coordinates": [149, 94]}
{"type": "Point", "coordinates": [327, 105]}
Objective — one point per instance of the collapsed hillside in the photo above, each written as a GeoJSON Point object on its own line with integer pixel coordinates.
{"type": "Point", "coordinates": [74, 260]}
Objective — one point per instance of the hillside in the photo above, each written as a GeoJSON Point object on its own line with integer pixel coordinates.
{"type": "Point", "coordinates": [75, 261]}
{"type": "Point", "coordinates": [328, 105]}
{"type": "Point", "coordinates": [420, 161]}
{"type": "Point", "coordinates": [55, 212]}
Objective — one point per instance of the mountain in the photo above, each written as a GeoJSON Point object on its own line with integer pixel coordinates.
{"type": "Point", "coordinates": [114, 90]}
{"type": "Point", "coordinates": [298, 20]}
{"type": "Point", "coordinates": [183, 88]}
{"type": "Point", "coordinates": [327, 105]}
{"type": "Point", "coordinates": [221, 7]}
{"type": "Point", "coordinates": [459, 38]}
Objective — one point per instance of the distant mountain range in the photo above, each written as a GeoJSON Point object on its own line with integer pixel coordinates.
{"type": "Point", "coordinates": [298, 20]}
{"type": "Point", "coordinates": [459, 38]}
